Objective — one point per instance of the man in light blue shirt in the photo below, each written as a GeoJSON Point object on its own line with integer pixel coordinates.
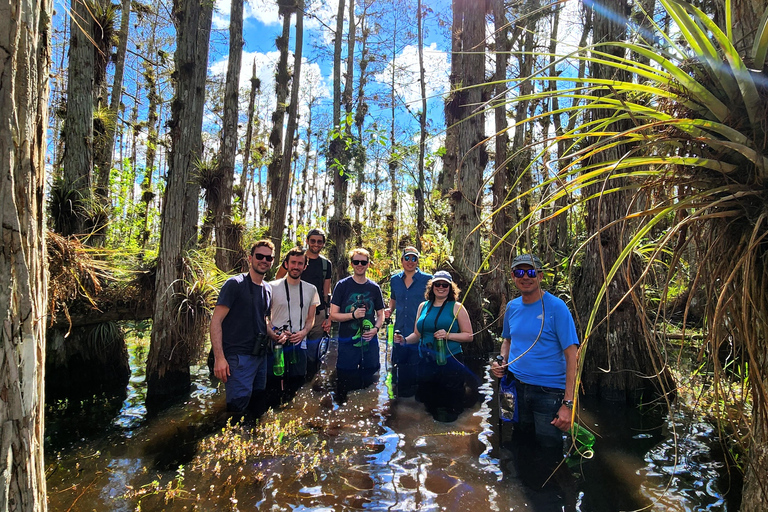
{"type": "Point", "coordinates": [540, 349]}
{"type": "Point", "coordinates": [407, 290]}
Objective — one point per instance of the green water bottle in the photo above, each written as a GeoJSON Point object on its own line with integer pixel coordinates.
{"type": "Point", "coordinates": [278, 367]}
{"type": "Point", "coordinates": [440, 351]}
{"type": "Point", "coordinates": [583, 440]}
{"type": "Point", "coordinates": [390, 333]}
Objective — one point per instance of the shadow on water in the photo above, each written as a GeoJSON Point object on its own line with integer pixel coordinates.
{"type": "Point", "coordinates": [388, 454]}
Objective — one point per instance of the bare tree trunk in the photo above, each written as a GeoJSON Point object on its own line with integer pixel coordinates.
{"type": "Point", "coordinates": [339, 227]}
{"type": "Point", "coordinates": [103, 158]}
{"type": "Point", "coordinates": [229, 252]}
{"type": "Point", "coordinates": [150, 77]}
{"type": "Point", "coordinates": [467, 199]}
{"type": "Point", "coordinates": [173, 342]}
{"type": "Point", "coordinates": [280, 203]}
{"type": "Point", "coordinates": [282, 77]}
{"type": "Point", "coordinates": [421, 186]}
{"type": "Point", "coordinates": [242, 190]}
{"type": "Point", "coordinates": [393, 164]}
{"type": "Point", "coordinates": [447, 178]}
{"type": "Point", "coordinates": [25, 40]}
{"type": "Point", "coordinates": [73, 195]}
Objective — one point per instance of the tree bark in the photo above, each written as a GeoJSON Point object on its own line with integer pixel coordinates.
{"type": "Point", "coordinates": [421, 185]}
{"type": "Point", "coordinates": [25, 46]}
{"type": "Point", "coordinates": [171, 346]}
{"type": "Point", "coordinates": [73, 195]}
{"type": "Point", "coordinates": [242, 192]}
{"type": "Point", "coordinates": [339, 227]}
{"type": "Point", "coordinates": [621, 344]}
{"type": "Point", "coordinates": [229, 252]}
{"type": "Point", "coordinates": [467, 199]}
{"type": "Point", "coordinates": [279, 208]}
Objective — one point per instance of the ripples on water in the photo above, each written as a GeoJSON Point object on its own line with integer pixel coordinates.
{"type": "Point", "coordinates": [400, 458]}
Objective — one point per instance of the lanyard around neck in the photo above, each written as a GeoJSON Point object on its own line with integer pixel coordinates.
{"type": "Point", "coordinates": [301, 305]}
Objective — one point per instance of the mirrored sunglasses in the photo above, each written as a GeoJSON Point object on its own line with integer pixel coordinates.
{"type": "Point", "coordinates": [520, 272]}
{"type": "Point", "coordinates": [411, 257]}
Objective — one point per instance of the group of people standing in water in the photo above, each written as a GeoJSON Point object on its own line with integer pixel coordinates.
{"type": "Point", "coordinates": [295, 311]}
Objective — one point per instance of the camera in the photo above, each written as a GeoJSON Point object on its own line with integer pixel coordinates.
{"type": "Point", "coordinates": [260, 345]}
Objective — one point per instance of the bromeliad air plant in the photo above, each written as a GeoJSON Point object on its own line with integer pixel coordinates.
{"type": "Point", "coordinates": [691, 122]}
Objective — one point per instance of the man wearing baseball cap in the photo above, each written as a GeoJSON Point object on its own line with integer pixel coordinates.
{"type": "Point", "coordinates": [540, 348]}
{"type": "Point", "coordinates": [407, 290]}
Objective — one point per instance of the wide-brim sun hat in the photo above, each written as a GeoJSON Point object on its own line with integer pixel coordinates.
{"type": "Point", "coordinates": [526, 259]}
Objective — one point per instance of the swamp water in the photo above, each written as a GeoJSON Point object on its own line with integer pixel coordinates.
{"type": "Point", "coordinates": [372, 453]}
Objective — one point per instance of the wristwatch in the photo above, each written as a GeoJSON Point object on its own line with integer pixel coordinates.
{"type": "Point", "coordinates": [568, 404]}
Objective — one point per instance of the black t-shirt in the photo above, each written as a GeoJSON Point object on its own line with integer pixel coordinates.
{"type": "Point", "coordinates": [314, 274]}
{"type": "Point", "coordinates": [350, 294]}
{"type": "Point", "coordinates": [248, 303]}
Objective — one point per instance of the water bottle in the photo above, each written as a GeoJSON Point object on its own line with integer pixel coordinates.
{"type": "Point", "coordinates": [390, 334]}
{"type": "Point", "coordinates": [581, 439]}
{"type": "Point", "coordinates": [278, 367]}
{"type": "Point", "coordinates": [440, 351]}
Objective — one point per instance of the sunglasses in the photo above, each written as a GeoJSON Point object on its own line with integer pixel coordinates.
{"type": "Point", "coordinates": [359, 262]}
{"type": "Point", "coordinates": [263, 257]}
{"type": "Point", "coordinates": [410, 257]}
{"type": "Point", "coordinates": [520, 272]}
{"type": "Point", "coordinates": [441, 284]}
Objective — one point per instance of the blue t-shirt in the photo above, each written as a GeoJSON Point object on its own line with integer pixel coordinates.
{"type": "Point", "coordinates": [248, 303]}
{"type": "Point", "coordinates": [348, 294]}
{"type": "Point", "coordinates": [432, 319]}
{"type": "Point", "coordinates": [407, 299]}
{"type": "Point", "coordinates": [544, 363]}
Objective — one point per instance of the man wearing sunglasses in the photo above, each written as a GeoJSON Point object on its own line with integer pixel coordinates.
{"type": "Point", "coordinates": [241, 329]}
{"type": "Point", "coordinates": [358, 306]}
{"type": "Point", "coordinates": [407, 293]}
{"type": "Point", "coordinates": [539, 347]}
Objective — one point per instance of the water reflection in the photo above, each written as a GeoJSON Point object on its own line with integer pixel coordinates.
{"type": "Point", "coordinates": [389, 454]}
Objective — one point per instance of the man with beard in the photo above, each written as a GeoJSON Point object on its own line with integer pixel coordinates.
{"type": "Point", "coordinates": [317, 273]}
{"type": "Point", "coordinates": [241, 331]}
{"type": "Point", "coordinates": [294, 304]}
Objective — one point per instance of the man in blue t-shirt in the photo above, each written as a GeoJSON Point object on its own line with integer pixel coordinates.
{"type": "Point", "coordinates": [358, 306]}
{"type": "Point", "coordinates": [241, 330]}
{"type": "Point", "coordinates": [407, 292]}
{"type": "Point", "coordinates": [540, 349]}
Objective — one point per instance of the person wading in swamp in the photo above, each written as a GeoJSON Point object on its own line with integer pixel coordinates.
{"type": "Point", "coordinates": [358, 306]}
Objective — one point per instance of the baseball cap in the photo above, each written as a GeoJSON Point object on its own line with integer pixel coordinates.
{"type": "Point", "coordinates": [442, 275]}
{"type": "Point", "coordinates": [411, 250]}
{"type": "Point", "coordinates": [526, 259]}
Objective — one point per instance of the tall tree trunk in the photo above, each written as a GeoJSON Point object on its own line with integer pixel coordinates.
{"type": "Point", "coordinates": [339, 227]}
{"type": "Point", "coordinates": [242, 191]}
{"type": "Point", "coordinates": [467, 199]}
{"type": "Point", "coordinates": [25, 40]}
{"type": "Point", "coordinates": [621, 343]}
{"type": "Point", "coordinates": [394, 162]}
{"type": "Point", "coordinates": [447, 179]}
{"type": "Point", "coordinates": [72, 196]}
{"type": "Point", "coordinates": [229, 252]}
{"type": "Point", "coordinates": [150, 77]}
{"type": "Point", "coordinates": [280, 203]}
{"type": "Point", "coordinates": [418, 194]}
{"type": "Point", "coordinates": [103, 157]}
{"type": "Point", "coordinates": [173, 342]}
{"type": "Point", "coordinates": [497, 279]}
{"type": "Point", "coordinates": [282, 77]}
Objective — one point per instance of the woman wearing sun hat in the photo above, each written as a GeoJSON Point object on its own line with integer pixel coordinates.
{"type": "Point", "coordinates": [442, 326]}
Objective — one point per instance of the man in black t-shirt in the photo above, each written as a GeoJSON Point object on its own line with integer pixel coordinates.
{"type": "Point", "coordinates": [317, 273]}
{"type": "Point", "coordinates": [241, 328]}
{"type": "Point", "coordinates": [358, 306]}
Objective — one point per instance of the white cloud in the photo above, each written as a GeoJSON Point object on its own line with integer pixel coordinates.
{"type": "Point", "coordinates": [263, 11]}
{"type": "Point", "coordinates": [436, 69]}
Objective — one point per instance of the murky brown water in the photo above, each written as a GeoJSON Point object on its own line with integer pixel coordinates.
{"type": "Point", "coordinates": [391, 455]}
